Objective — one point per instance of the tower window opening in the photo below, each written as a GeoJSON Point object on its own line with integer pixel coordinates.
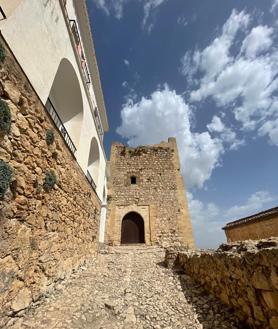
{"type": "Point", "coordinates": [132, 180]}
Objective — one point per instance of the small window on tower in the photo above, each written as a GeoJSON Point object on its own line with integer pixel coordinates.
{"type": "Point", "coordinates": [132, 180]}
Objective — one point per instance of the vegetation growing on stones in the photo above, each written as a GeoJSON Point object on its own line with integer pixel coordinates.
{"type": "Point", "coordinates": [2, 53]}
{"type": "Point", "coordinates": [5, 117]}
{"type": "Point", "coordinates": [5, 177]}
{"type": "Point", "coordinates": [49, 137]}
{"type": "Point", "coordinates": [49, 181]}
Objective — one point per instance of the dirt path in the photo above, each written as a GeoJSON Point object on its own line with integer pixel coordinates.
{"type": "Point", "coordinates": [128, 288]}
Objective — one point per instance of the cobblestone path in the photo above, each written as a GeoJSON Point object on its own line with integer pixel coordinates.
{"type": "Point", "coordinates": [128, 288]}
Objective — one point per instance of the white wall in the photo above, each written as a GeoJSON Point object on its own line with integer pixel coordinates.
{"type": "Point", "coordinates": [37, 34]}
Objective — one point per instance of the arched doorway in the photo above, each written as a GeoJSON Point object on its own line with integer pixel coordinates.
{"type": "Point", "coordinates": [133, 230]}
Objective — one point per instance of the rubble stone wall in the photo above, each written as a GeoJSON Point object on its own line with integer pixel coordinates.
{"type": "Point", "coordinates": [159, 190]}
{"type": "Point", "coordinates": [244, 276]}
{"type": "Point", "coordinates": [253, 230]}
{"type": "Point", "coordinates": [44, 235]}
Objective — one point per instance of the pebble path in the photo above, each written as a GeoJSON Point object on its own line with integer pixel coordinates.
{"type": "Point", "coordinates": [128, 288]}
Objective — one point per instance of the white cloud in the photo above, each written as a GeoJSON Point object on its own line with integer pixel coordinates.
{"type": "Point", "coordinates": [149, 7]}
{"type": "Point", "coordinates": [182, 21]}
{"type": "Point", "coordinates": [225, 134]}
{"type": "Point", "coordinates": [208, 219]}
{"type": "Point", "coordinates": [125, 84]}
{"type": "Point", "coordinates": [270, 128]}
{"type": "Point", "coordinates": [116, 8]}
{"type": "Point", "coordinates": [206, 222]}
{"type": "Point", "coordinates": [126, 62]}
{"type": "Point", "coordinates": [112, 6]}
{"type": "Point", "coordinates": [215, 56]}
{"type": "Point", "coordinates": [255, 203]}
{"type": "Point", "coordinates": [244, 83]}
{"type": "Point", "coordinates": [216, 125]}
{"type": "Point", "coordinates": [165, 114]}
{"type": "Point", "coordinates": [189, 64]}
{"type": "Point", "coordinates": [274, 5]}
{"type": "Point", "coordinates": [259, 40]}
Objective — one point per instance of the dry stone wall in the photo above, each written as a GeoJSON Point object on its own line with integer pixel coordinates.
{"type": "Point", "coordinates": [43, 235]}
{"type": "Point", "coordinates": [243, 275]}
{"type": "Point", "coordinates": [159, 191]}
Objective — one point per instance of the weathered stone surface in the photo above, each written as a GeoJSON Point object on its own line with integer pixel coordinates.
{"type": "Point", "coordinates": [12, 91]}
{"type": "Point", "coordinates": [22, 300]}
{"type": "Point", "coordinates": [258, 227]}
{"type": "Point", "coordinates": [271, 299]}
{"type": "Point", "coordinates": [243, 275]}
{"type": "Point", "coordinates": [128, 288]}
{"type": "Point", "coordinates": [43, 236]}
{"type": "Point", "coordinates": [158, 194]}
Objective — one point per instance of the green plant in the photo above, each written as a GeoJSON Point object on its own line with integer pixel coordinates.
{"type": "Point", "coordinates": [49, 181]}
{"type": "Point", "coordinates": [5, 117]}
{"type": "Point", "coordinates": [2, 53]}
{"type": "Point", "coordinates": [49, 137]}
{"type": "Point", "coordinates": [5, 177]}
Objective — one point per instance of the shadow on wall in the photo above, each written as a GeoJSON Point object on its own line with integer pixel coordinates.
{"type": "Point", "coordinates": [65, 95]}
{"type": "Point", "coordinates": [93, 161]}
{"type": "Point", "coordinates": [211, 312]}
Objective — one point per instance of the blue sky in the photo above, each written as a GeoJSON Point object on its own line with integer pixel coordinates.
{"type": "Point", "coordinates": [205, 72]}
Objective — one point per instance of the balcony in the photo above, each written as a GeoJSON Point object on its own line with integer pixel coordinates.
{"type": "Point", "coordinates": [77, 41]}
{"type": "Point", "coordinates": [98, 123]}
{"type": "Point", "coordinates": [80, 50]}
{"type": "Point", "coordinates": [59, 124]}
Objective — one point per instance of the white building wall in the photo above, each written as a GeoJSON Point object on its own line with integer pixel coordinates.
{"type": "Point", "coordinates": [37, 33]}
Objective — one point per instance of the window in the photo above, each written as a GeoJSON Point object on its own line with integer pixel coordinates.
{"type": "Point", "coordinates": [132, 180]}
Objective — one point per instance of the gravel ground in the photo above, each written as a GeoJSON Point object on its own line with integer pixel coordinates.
{"type": "Point", "coordinates": [128, 288]}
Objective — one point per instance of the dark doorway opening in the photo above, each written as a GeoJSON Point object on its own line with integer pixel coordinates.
{"type": "Point", "coordinates": [133, 230]}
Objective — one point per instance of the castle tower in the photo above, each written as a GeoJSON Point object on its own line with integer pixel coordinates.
{"type": "Point", "coordinates": [146, 197]}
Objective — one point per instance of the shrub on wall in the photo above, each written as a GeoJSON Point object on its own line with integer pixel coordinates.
{"type": "Point", "coordinates": [5, 177]}
{"type": "Point", "coordinates": [5, 117]}
{"type": "Point", "coordinates": [49, 137]}
{"type": "Point", "coordinates": [2, 53]}
{"type": "Point", "coordinates": [49, 181]}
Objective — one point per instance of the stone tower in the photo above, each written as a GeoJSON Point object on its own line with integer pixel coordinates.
{"type": "Point", "coordinates": [146, 197]}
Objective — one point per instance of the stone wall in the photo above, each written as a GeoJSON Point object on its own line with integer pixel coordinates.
{"type": "Point", "coordinates": [43, 235]}
{"type": "Point", "coordinates": [158, 195]}
{"type": "Point", "coordinates": [256, 229]}
{"type": "Point", "coordinates": [244, 276]}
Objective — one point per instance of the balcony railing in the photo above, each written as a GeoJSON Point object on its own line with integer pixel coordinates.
{"type": "Point", "coordinates": [84, 66]}
{"type": "Point", "coordinates": [90, 179]}
{"type": "Point", "coordinates": [98, 123]}
{"type": "Point", "coordinates": [80, 51]}
{"type": "Point", "coordinates": [59, 124]}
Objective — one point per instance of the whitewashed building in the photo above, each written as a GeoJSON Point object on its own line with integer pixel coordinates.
{"type": "Point", "coordinates": [52, 41]}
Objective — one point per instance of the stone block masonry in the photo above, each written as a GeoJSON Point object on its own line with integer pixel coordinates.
{"type": "Point", "coordinates": [43, 235]}
{"type": "Point", "coordinates": [147, 181]}
{"type": "Point", "coordinates": [259, 226]}
{"type": "Point", "coordinates": [243, 275]}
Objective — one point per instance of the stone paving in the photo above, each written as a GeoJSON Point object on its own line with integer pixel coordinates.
{"type": "Point", "coordinates": [128, 288]}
